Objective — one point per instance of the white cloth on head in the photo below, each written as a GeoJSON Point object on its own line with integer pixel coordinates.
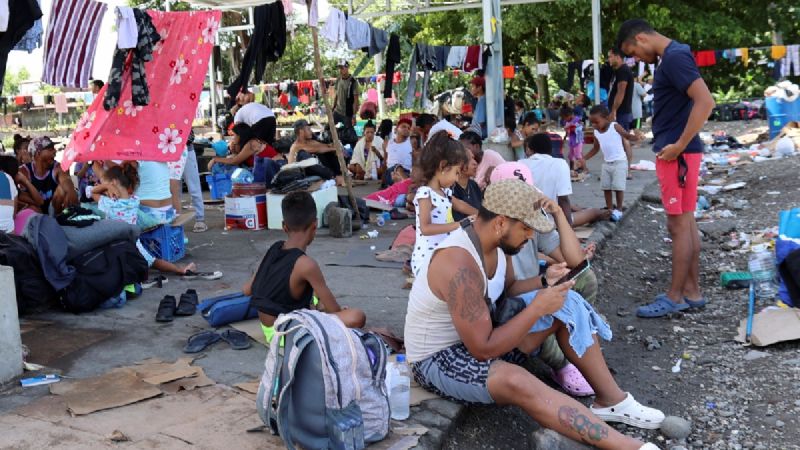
{"type": "Point", "coordinates": [335, 28]}
{"type": "Point", "coordinates": [4, 15]}
{"type": "Point", "coordinates": [251, 113]}
{"type": "Point", "coordinates": [127, 30]}
{"type": "Point", "coordinates": [444, 125]}
{"type": "Point", "coordinates": [456, 56]}
{"type": "Point", "coordinates": [357, 34]}
{"type": "Point", "coordinates": [543, 69]}
{"type": "Point", "coordinates": [550, 175]}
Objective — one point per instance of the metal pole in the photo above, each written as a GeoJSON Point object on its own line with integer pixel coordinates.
{"type": "Point", "coordinates": [212, 80]}
{"type": "Point", "coordinates": [492, 35]}
{"type": "Point", "coordinates": [596, 43]}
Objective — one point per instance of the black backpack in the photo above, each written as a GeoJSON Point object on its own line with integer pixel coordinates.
{"type": "Point", "coordinates": [34, 293]}
{"type": "Point", "coordinates": [360, 212]}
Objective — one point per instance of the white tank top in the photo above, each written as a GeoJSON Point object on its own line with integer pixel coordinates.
{"type": "Point", "coordinates": [611, 144]}
{"type": "Point", "coordinates": [429, 327]}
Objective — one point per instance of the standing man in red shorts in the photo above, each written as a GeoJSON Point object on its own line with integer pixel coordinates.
{"type": "Point", "coordinates": [681, 106]}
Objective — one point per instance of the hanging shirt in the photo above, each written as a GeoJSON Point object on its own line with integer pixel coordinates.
{"type": "Point", "coordinates": [357, 33]}
{"type": "Point", "coordinates": [472, 59]}
{"type": "Point", "coordinates": [5, 13]}
{"type": "Point", "coordinates": [60, 101]}
{"type": "Point", "coordinates": [456, 56]}
{"type": "Point", "coordinates": [25, 14]}
{"type": "Point", "coordinates": [69, 55]}
{"type": "Point", "coordinates": [378, 40]}
{"type": "Point", "coordinates": [335, 29]}
{"type": "Point", "coordinates": [127, 30]}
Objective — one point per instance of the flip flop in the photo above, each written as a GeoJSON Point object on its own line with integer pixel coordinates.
{"type": "Point", "coordinates": [191, 275]}
{"type": "Point", "coordinates": [166, 309]}
{"type": "Point", "coordinates": [661, 306]}
{"type": "Point", "coordinates": [237, 339]}
{"type": "Point", "coordinates": [199, 227]}
{"type": "Point", "coordinates": [188, 303]}
{"type": "Point", "coordinates": [572, 381]}
{"type": "Point", "coordinates": [630, 412]}
{"type": "Point", "coordinates": [158, 281]}
{"type": "Point", "coordinates": [199, 341]}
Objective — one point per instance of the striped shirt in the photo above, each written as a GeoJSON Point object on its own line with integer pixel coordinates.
{"type": "Point", "coordinates": [71, 42]}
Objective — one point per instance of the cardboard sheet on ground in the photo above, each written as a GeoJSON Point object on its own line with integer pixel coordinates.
{"type": "Point", "coordinates": [363, 256]}
{"type": "Point", "coordinates": [583, 232]}
{"type": "Point", "coordinates": [772, 326]}
{"type": "Point", "coordinates": [116, 388]}
{"type": "Point", "coordinates": [175, 75]}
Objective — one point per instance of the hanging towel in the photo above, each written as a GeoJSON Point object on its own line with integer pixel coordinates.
{"type": "Point", "coordinates": [287, 7]}
{"type": "Point", "coordinates": [313, 13]}
{"type": "Point", "coordinates": [792, 60]}
{"type": "Point", "coordinates": [19, 100]}
{"type": "Point", "coordinates": [38, 99]}
{"type": "Point", "coordinates": [378, 40]}
{"type": "Point", "coordinates": [472, 60]}
{"type": "Point", "coordinates": [508, 72]}
{"type": "Point", "coordinates": [778, 51]}
{"type": "Point", "coordinates": [392, 59]}
{"type": "Point", "coordinates": [705, 58]}
{"type": "Point", "coordinates": [267, 45]}
{"type": "Point", "coordinates": [60, 101]}
{"type": "Point", "coordinates": [357, 33]}
{"type": "Point", "coordinates": [744, 52]}
{"type": "Point", "coordinates": [25, 13]}
{"type": "Point", "coordinates": [4, 15]}
{"type": "Point", "coordinates": [335, 29]}
{"type": "Point", "coordinates": [543, 70]}
{"type": "Point", "coordinates": [127, 30]}
{"type": "Point", "coordinates": [147, 41]}
{"type": "Point", "coordinates": [69, 49]}
{"type": "Point", "coordinates": [456, 56]}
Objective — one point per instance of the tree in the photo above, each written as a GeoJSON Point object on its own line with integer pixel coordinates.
{"type": "Point", "coordinates": [11, 81]}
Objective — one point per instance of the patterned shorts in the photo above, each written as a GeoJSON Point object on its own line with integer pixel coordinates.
{"type": "Point", "coordinates": [455, 374]}
{"type": "Point", "coordinates": [176, 167]}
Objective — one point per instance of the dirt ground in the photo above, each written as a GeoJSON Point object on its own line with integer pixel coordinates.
{"type": "Point", "coordinates": [733, 402]}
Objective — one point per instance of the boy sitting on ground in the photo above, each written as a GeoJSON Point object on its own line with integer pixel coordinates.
{"type": "Point", "coordinates": [287, 278]}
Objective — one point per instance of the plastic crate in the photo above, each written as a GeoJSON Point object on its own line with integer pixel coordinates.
{"type": "Point", "coordinates": [219, 185]}
{"type": "Point", "coordinates": [165, 242]}
{"type": "Point", "coordinates": [776, 123]}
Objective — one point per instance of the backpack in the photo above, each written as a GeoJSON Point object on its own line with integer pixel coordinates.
{"type": "Point", "coordinates": [34, 293]}
{"type": "Point", "coordinates": [323, 384]}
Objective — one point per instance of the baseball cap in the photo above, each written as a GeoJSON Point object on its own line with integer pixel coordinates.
{"type": "Point", "coordinates": [302, 123]}
{"type": "Point", "coordinates": [343, 63]}
{"type": "Point", "coordinates": [40, 143]}
{"type": "Point", "coordinates": [478, 81]}
{"type": "Point", "coordinates": [515, 199]}
{"type": "Point", "coordinates": [406, 121]}
{"type": "Point", "coordinates": [510, 170]}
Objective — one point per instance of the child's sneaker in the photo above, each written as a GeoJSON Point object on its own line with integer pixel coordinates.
{"type": "Point", "coordinates": [616, 215]}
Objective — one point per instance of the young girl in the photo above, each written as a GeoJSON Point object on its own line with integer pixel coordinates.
{"type": "Point", "coordinates": [440, 162]}
{"type": "Point", "coordinates": [574, 128]}
{"type": "Point", "coordinates": [114, 196]}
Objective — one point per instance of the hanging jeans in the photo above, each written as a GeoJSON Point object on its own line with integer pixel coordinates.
{"type": "Point", "coordinates": [191, 175]}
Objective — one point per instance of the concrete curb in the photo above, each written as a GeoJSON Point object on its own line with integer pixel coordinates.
{"type": "Point", "coordinates": [442, 416]}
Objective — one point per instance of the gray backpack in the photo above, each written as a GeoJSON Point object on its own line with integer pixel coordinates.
{"type": "Point", "coordinates": [323, 384]}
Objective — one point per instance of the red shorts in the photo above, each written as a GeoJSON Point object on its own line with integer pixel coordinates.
{"type": "Point", "coordinates": [678, 200]}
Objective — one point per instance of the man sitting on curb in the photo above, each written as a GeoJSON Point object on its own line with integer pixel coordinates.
{"type": "Point", "coordinates": [562, 246]}
{"type": "Point", "coordinates": [456, 352]}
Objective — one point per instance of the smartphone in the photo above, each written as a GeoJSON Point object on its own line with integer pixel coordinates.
{"type": "Point", "coordinates": [575, 272]}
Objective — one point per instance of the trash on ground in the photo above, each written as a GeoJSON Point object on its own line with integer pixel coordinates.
{"type": "Point", "coordinates": [772, 325]}
{"type": "Point", "coordinates": [38, 381]}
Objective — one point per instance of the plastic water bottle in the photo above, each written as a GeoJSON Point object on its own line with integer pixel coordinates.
{"type": "Point", "coordinates": [373, 172]}
{"type": "Point", "coordinates": [762, 268]}
{"type": "Point", "coordinates": [399, 380]}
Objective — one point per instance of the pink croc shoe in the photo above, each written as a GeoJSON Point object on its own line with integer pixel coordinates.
{"type": "Point", "coordinates": [572, 381]}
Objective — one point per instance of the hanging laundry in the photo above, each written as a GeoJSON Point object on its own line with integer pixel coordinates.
{"type": "Point", "coordinates": [472, 59]}
{"type": "Point", "coordinates": [508, 72]}
{"type": "Point", "coordinates": [127, 30]}
{"type": "Point", "coordinates": [378, 40]}
{"type": "Point", "coordinates": [744, 52]}
{"type": "Point", "coordinates": [705, 58]}
{"type": "Point", "coordinates": [287, 7]}
{"type": "Point", "coordinates": [19, 100]}
{"type": "Point", "coordinates": [38, 99]}
{"type": "Point", "coordinates": [729, 54]}
{"type": "Point", "coordinates": [32, 38]}
{"type": "Point", "coordinates": [267, 45]}
{"type": "Point", "coordinates": [392, 59]}
{"type": "Point", "coordinates": [335, 29]}
{"type": "Point", "coordinates": [456, 56]}
{"type": "Point", "coordinates": [175, 76]}
{"type": "Point", "coordinates": [60, 101]}
{"type": "Point", "coordinates": [357, 33]}
{"type": "Point", "coordinates": [424, 57]}
{"type": "Point", "coordinates": [372, 95]}
{"type": "Point", "coordinates": [313, 14]}
{"type": "Point", "coordinates": [778, 51]}
{"type": "Point", "coordinates": [147, 40]}
{"type": "Point", "coordinates": [69, 49]}
{"type": "Point", "coordinates": [543, 69]}
{"type": "Point", "coordinates": [792, 60]}
{"type": "Point", "coordinates": [572, 67]}
{"type": "Point", "coordinates": [25, 13]}
{"type": "Point", "coordinates": [440, 53]}
{"type": "Point", "coordinates": [4, 15]}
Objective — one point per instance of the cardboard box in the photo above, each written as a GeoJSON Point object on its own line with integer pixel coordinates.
{"type": "Point", "coordinates": [247, 213]}
{"type": "Point", "coordinates": [321, 198]}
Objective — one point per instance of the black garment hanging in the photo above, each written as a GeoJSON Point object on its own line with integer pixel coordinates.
{"type": "Point", "coordinates": [135, 58]}
{"type": "Point", "coordinates": [392, 59]}
{"type": "Point", "coordinates": [572, 68]}
{"type": "Point", "coordinates": [22, 13]}
{"type": "Point", "coordinates": [267, 44]}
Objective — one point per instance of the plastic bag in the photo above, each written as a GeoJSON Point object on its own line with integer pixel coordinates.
{"type": "Point", "coordinates": [789, 223]}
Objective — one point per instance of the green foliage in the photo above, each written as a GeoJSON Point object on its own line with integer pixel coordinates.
{"type": "Point", "coordinates": [11, 81]}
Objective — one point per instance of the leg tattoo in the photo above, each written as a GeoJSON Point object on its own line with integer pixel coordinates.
{"type": "Point", "coordinates": [589, 432]}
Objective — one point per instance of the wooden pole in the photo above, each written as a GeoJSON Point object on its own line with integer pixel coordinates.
{"type": "Point", "coordinates": [331, 124]}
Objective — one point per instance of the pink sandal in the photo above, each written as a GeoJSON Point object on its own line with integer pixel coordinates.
{"type": "Point", "coordinates": [572, 381]}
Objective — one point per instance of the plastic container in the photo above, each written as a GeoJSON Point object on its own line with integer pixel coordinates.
{"type": "Point", "coordinates": [248, 189]}
{"type": "Point", "coordinates": [165, 242]}
{"type": "Point", "coordinates": [219, 185]}
{"type": "Point", "coordinates": [399, 382]}
{"type": "Point", "coordinates": [762, 268]}
{"type": "Point", "coordinates": [242, 176]}
{"type": "Point", "coordinates": [379, 220]}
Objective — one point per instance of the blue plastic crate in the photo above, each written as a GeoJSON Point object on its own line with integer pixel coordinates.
{"type": "Point", "coordinates": [165, 242]}
{"type": "Point", "coordinates": [220, 185]}
{"type": "Point", "coordinates": [776, 123]}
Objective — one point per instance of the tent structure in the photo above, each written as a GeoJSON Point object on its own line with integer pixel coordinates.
{"type": "Point", "coordinates": [366, 9]}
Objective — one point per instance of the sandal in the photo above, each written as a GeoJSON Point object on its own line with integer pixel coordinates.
{"type": "Point", "coordinates": [158, 281]}
{"type": "Point", "coordinates": [188, 303]}
{"type": "Point", "coordinates": [191, 275]}
{"type": "Point", "coordinates": [661, 306]}
{"type": "Point", "coordinates": [166, 309]}
{"type": "Point", "coordinates": [630, 412]}
{"type": "Point", "coordinates": [200, 341]}
{"type": "Point", "coordinates": [237, 339]}
{"type": "Point", "coordinates": [572, 381]}
{"type": "Point", "coordinates": [199, 227]}
{"type": "Point", "coordinates": [696, 304]}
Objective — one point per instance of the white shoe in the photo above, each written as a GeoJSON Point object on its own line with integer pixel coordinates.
{"type": "Point", "coordinates": [632, 413]}
{"type": "Point", "coordinates": [649, 446]}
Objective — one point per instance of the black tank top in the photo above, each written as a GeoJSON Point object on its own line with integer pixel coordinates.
{"type": "Point", "coordinates": [46, 185]}
{"type": "Point", "coordinates": [271, 292]}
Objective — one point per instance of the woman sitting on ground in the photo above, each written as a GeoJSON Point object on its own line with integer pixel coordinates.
{"type": "Point", "coordinates": [253, 151]}
{"type": "Point", "coordinates": [53, 186]}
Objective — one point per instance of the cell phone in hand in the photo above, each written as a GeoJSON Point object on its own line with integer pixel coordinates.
{"type": "Point", "coordinates": [575, 272]}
